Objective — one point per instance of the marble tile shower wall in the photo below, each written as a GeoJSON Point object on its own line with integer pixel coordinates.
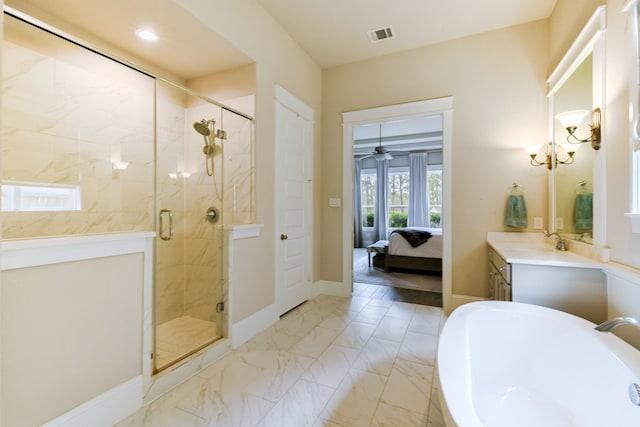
{"type": "Point", "coordinates": [238, 168]}
{"type": "Point", "coordinates": [203, 248]}
{"type": "Point", "coordinates": [68, 115]}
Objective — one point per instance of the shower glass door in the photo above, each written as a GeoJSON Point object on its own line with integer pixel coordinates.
{"type": "Point", "coordinates": [188, 276]}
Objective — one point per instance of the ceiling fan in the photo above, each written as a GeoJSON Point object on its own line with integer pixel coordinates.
{"type": "Point", "coordinates": [379, 153]}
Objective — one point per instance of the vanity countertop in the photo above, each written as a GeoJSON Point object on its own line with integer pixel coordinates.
{"type": "Point", "coordinates": [535, 248]}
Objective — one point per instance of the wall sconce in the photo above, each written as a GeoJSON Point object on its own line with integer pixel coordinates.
{"type": "Point", "coordinates": [549, 157]}
{"type": "Point", "coordinates": [572, 119]}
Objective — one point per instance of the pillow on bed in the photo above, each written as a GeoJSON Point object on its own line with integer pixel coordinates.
{"type": "Point", "coordinates": [414, 237]}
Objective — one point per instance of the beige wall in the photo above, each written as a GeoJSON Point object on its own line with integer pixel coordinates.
{"type": "Point", "coordinates": [70, 331]}
{"type": "Point", "coordinates": [497, 81]}
{"type": "Point", "coordinates": [279, 60]}
{"type": "Point", "coordinates": [565, 23]}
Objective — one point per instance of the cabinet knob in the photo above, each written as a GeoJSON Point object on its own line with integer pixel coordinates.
{"type": "Point", "coordinates": [283, 237]}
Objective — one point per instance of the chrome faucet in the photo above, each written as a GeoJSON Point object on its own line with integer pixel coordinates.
{"type": "Point", "coordinates": [611, 324]}
{"type": "Point", "coordinates": [561, 243]}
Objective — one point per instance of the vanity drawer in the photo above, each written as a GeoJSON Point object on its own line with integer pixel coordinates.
{"type": "Point", "coordinates": [501, 266]}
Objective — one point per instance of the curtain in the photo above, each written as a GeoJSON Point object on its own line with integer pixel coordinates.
{"type": "Point", "coordinates": [418, 197]}
{"type": "Point", "coordinates": [357, 205]}
{"type": "Point", "coordinates": [381, 216]}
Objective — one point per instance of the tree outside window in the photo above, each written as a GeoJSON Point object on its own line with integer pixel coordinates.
{"type": "Point", "coordinates": [434, 181]}
{"type": "Point", "coordinates": [368, 196]}
{"type": "Point", "coordinates": [398, 197]}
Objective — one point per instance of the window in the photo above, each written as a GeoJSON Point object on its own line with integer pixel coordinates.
{"type": "Point", "coordinates": [39, 197]}
{"type": "Point", "coordinates": [398, 197]}
{"type": "Point", "coordinates": [434, 187]}
{"type": "Point", "coordinates": [368, 196]}
{"type": "Point", "coordinates": [398, 203]}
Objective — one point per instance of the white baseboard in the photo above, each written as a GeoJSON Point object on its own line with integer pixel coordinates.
{"type": "Point", "coordinates": [106, 409]}
{"type": "Point", "coordinates": [331, 288]}
{"type": "Point", "coordinates": [251, 326]}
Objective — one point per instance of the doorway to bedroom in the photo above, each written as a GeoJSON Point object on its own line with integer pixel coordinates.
{"type": "Point", "coordinates": [397, 183]}
{"type": "Point", "coordinates": [397, 209]}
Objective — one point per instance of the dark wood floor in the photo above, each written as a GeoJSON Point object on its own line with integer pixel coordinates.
{"type": "Point", "coordinates": [389, 293]}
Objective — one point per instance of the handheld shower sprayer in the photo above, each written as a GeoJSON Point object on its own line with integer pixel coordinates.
{"type": "Point", "coordinates": [206, 129]}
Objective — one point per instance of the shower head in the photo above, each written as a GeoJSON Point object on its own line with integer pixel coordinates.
{"type": "Point", "coordinates": [202, 127]}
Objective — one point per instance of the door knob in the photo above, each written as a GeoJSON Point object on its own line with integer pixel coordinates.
{"type": "Point", "coordinates": [283, 237]}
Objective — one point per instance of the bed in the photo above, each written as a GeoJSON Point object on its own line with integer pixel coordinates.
{"type": "Point", "coordinates": [425, 257]}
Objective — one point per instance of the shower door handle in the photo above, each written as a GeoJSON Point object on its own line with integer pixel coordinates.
{"type": "Point", "coordinates": [161, 226]}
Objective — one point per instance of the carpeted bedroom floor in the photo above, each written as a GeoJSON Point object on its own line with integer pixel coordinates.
{"type": "Point", "coordinates": [395, 286]}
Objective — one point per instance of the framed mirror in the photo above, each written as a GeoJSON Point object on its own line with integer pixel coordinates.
{"type": "Point", "coordinates": [576, 179]}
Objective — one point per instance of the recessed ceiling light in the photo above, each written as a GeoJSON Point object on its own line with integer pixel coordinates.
{"type": "Point", "coordinates": [147, 34]}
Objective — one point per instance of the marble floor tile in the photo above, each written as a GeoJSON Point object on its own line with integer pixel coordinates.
{"type": "Point", "coordinates": [402, 309]}
{"type": "Point", "coordinates": [353, 304]}
{"type": "Point", "coordinates": [315, 342]}
{"type": "Point", "coordinates": [392, 328]}
{"type": "Point", "coordinates": [331, 367]}
{"type": "Point", "coordinates": [377, 356]}
{"type": "Point", "coordinates": [331, 362]}
{"type": "Point", "coordinates": [419, 348]}
{"type": "Point", "coordinates": [278, 372]}
{"type": "Point", "coordinates": [409, 386]}
{"type": "Point", "coordinates": [393, 416]}
{"type": "Point", "coordinates": [380, 303]}
{"type": "Point", "coordinates": [164, 417]}
{"type": "Point", "coordinates": [298, 323]}
{"type": "Point", "coordinates": [371, 314]}
{"type": "Point", "coordinates": [354, 402]}
{"type": "Point", "coordinates": [271, 339]}
{"type": "Point", "coordinates": [301, 406]}
{"type": "Point", "coordinates": [355, 335]}
{"type": "Point", "coordinates": [336, 322]}
{"type": "Point", "coordinates": [227, 406]}
{"type": "Point", "coordinates": [425, 322]}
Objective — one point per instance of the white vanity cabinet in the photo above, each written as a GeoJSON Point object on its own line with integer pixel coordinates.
{"type": "Point", "coordinates": [499, 277]}
{"type": "Point", "coordinates": [541, 275]}
{"type": "Point", "coordinates": [575, 290]}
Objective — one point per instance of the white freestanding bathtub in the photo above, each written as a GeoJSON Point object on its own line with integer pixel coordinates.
{"type": "Point", "coordinates": [509, 364]}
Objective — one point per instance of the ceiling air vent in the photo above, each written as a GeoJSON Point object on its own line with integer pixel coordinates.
{"type": "Point", "coordinates": [381, 34]}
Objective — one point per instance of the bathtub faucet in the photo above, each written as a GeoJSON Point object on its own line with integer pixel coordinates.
{"type": "Point", "coordinates": [609, 325]}
{"type": "Point", "coordinates": [561, 244]}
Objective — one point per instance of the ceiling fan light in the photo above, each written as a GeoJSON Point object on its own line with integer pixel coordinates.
{"type": "Point", "coordinates": [382, 156]}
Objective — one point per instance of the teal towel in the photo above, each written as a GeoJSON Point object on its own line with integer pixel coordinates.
{"type": "Point", "coordinates": [584, 211]}
{"type": "Point", "coordinates": [516, 212]}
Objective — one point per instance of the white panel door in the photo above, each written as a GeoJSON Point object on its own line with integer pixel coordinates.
{"type": "Point", "coordinates": [294, 138]}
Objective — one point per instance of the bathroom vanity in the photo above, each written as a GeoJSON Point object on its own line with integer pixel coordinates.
{"type": "Point", "coordinates": [529, 268]}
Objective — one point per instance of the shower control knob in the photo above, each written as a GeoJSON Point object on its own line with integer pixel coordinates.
{"type": "Point", "coordinates": [283, 237]}
{"type": "Point", "coordinates": [212, 215]}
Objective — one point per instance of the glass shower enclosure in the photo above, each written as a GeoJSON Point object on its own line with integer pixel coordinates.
{"type": "Point", "coordinates": [189, 173]}
{"type": "Point", "coordinates": [104, 147]}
